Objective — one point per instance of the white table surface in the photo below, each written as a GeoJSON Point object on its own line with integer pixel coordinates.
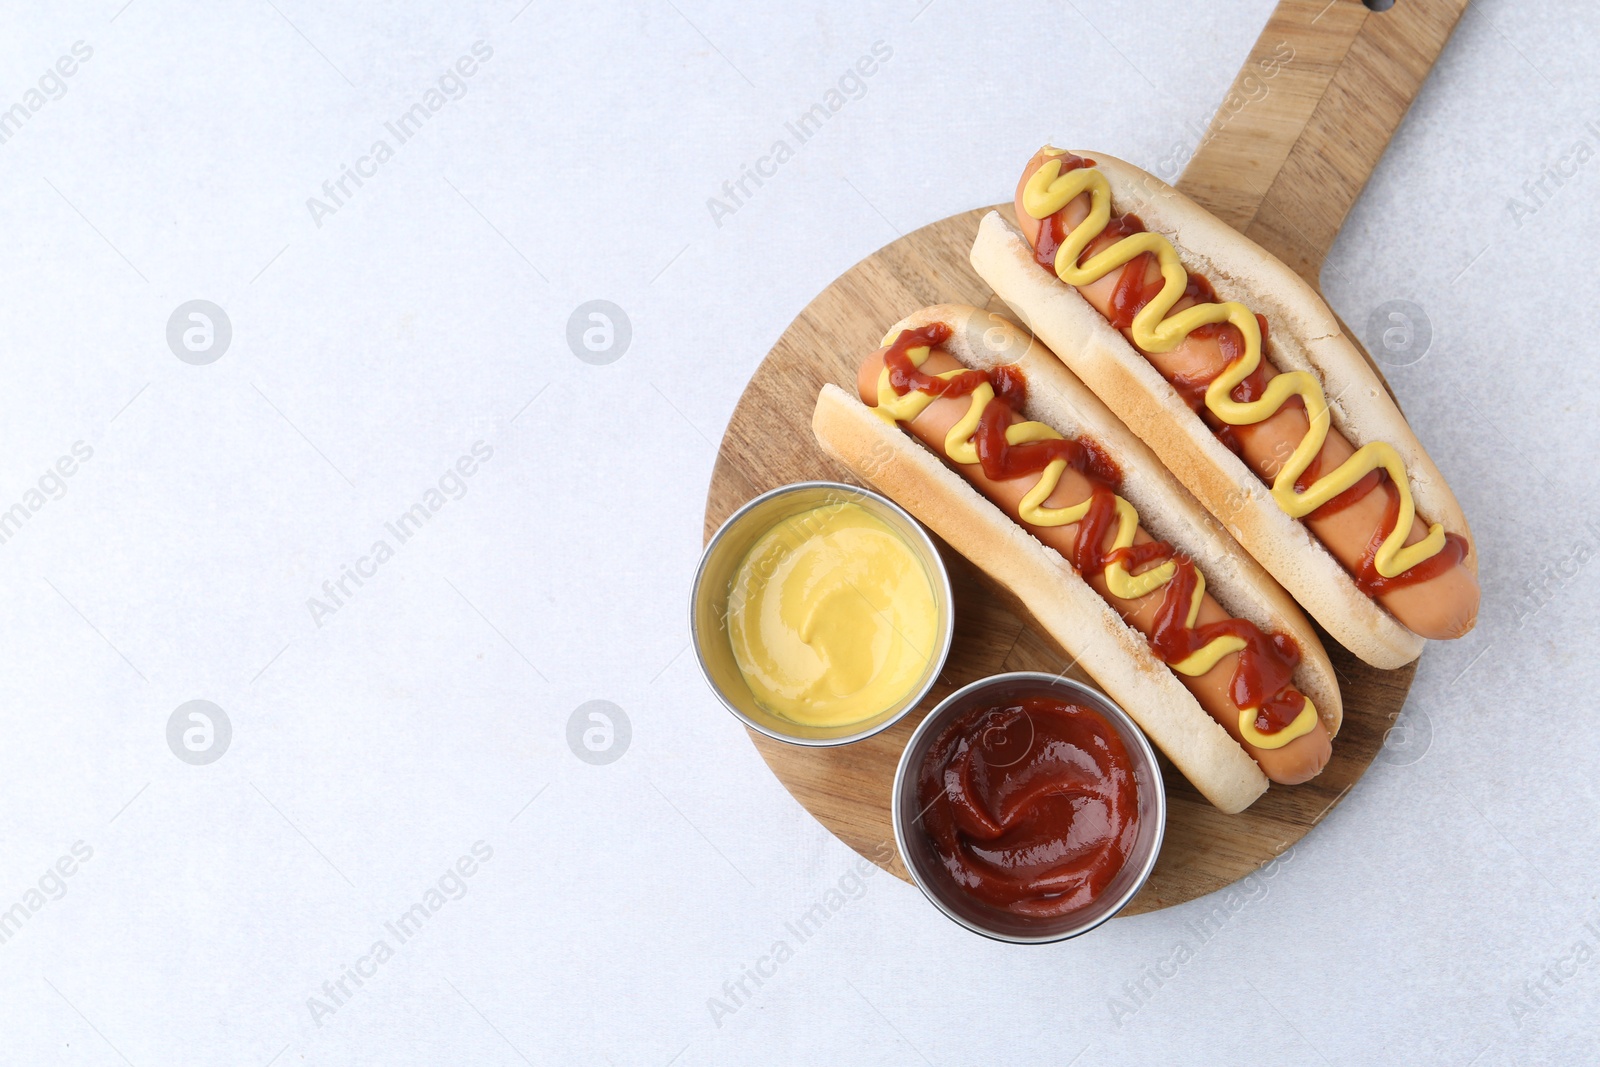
{"type": "Point", "coordinates": [1438, 916]}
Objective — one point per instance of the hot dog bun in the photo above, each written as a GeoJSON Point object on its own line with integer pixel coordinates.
{"type": "Point", "coordinates": [1305, 336]}
{"type": "Point", "coordinates": [1071, 611]}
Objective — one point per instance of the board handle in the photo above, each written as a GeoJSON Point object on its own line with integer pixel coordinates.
{"type": "Point", "coordinates": [1340, 78]}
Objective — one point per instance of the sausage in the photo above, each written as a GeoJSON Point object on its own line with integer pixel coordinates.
{"type": "Point", "coordinates": [1443, 606]}
{"type": "Point", "coordinates": [1298, 761]}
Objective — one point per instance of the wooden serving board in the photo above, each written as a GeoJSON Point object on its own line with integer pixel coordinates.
{"type": "Point", "coordinates": [1283, 166]}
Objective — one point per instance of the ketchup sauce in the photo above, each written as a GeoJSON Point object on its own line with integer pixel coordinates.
{"type": "Point", "coordinates": [1030, 807]}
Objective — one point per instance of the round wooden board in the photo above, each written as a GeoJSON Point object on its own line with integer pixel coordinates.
{"type": "Point", "coordinates": [769, 443]}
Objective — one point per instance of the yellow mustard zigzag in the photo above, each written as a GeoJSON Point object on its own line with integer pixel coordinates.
{"type": "Point", "coordinates": [1048, 191]}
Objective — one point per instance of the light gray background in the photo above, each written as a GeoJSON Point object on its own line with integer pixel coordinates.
{"type": "Point", "coordinates": [430, 312]}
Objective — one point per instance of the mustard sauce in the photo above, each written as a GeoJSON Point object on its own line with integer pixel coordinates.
{"type": "Point", "coordinates": [832, 617]}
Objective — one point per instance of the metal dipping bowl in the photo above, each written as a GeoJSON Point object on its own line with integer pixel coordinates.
{"type": "Point", "coordinates": [935, 882]}
{"type": "Point", "coordinates": [708, 606]}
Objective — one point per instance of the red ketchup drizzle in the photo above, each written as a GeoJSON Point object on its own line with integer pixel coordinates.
{"type": "Point", "coordinates": [1001, 460]}
{"type": "Point", "coordinates": [1266, 664]}
{"type": "Point", "coordinates": [1370, 582]}
{"type": "Point", "coordinates": [1031, 807]}
{"type": "Point", "coordinates": [904, 375]}
{"type": "Point", "coordinates": [1134, 287]}
{"type": "Point", "coordinates": [1009, 385]}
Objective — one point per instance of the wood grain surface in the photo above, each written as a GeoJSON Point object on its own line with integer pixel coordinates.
{"type": "Point", "coordinates": [1284, 166]}
{"type": "Point", "coordinates": [1296, 140]}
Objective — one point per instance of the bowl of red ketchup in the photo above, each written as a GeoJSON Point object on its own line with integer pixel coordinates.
{"type": "Point", "coordinates": [1029, 807]}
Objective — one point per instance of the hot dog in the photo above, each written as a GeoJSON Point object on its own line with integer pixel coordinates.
{"type": "Point", "coordinates": [1253, 397]}
{"type": "Point", "coordinates": [987, 438]}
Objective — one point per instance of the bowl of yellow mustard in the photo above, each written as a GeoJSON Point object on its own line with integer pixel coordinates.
{"type": "Point", "coordinates": [821, 613]}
